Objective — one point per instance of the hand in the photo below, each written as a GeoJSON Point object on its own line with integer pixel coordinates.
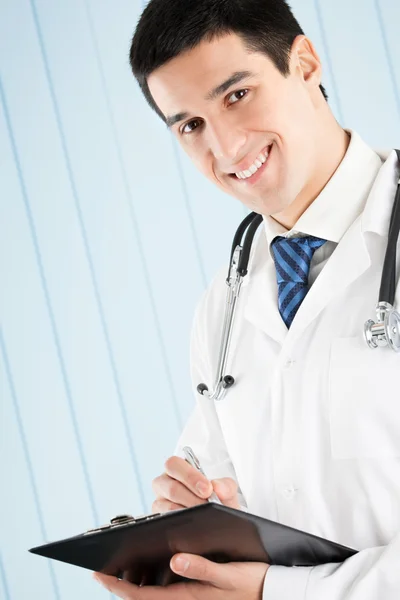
{"type": "Point", "coordinates": [182, 486]}
{"type": "Point", "coordinates": [232, 581]}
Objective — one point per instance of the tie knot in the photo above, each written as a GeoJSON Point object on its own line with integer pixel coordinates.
{"type": "Point", "coordinates": [293, 256]}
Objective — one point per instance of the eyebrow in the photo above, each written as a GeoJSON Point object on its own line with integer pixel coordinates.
{"type": "Point", "coordinates": [235, 78]}
{"type": "Point", "coordinates": [176, 118]}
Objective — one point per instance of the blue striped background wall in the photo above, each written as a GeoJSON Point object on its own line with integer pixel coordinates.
{"type": "Point", "coordinates": [108, 236]}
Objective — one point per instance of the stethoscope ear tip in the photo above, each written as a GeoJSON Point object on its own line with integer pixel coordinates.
{"type": "Point", "coordinates": [228, 381]}
{"type": "Point", "coordinates": [201, 388]}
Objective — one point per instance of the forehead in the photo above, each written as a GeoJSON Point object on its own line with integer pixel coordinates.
{"type": "Point", "coordinates": [190, 76]}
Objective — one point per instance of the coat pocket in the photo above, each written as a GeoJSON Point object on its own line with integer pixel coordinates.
{"type": "Point", "coordinates": [364, 388]}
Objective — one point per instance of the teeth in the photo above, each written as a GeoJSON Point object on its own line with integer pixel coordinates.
{"type": "Point", "coordinates": [259, 161]}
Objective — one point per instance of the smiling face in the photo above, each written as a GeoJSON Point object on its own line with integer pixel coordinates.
{"type": "Point", "coordinates": [248, 128]}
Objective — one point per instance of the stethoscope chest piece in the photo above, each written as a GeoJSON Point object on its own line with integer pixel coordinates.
{"type": "Point", "coordinates": [386, 332]}
{"type": "Point", "coordinates": [393, 330]}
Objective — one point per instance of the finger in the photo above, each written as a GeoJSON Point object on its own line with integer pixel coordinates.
{"type": "Point", "coordinates": [196, 482]}
{"type": "Point", "coordinates": [171, 489]}
{"type": "Point", "coordinates": [119, 587]}
{"type": "Point", "coordinates": [129, 591]}
{"type": "Point", "coordinates": [201, 569]}
{"type": "Point", "coordinates": [227, 491]}
{"type": "Point", "coordinates": [132, 575]}
{"type": "Point", "coordinates": [161, 505]}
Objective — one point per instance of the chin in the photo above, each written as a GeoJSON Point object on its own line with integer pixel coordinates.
{"type": "Point", "coordinates": [274, 205]}
{"type": "Point", "coordinates": [265, 207]}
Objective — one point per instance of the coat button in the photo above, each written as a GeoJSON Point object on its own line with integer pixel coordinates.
{"type": "Point", "coordinates": [289, 492]}
{"type": "Point", "coordinates": [288, 363]}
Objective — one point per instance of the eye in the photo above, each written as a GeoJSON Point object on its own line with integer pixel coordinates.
{"type": "Point", "coordinates": [191, 126]}
{"type": "Point", "coordinates": [236, 96]}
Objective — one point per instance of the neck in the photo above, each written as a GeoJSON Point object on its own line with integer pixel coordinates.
{"type": "Point", "coordinates": [330, 155]}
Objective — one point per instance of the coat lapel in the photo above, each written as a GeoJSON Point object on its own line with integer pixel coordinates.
{"type": "Point", "coordinates": [261, 308]}
{"type": "Point", "coordinates": [348, 262]}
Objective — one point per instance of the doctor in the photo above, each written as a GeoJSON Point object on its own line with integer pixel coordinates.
{"type": "Point", "coordinates": [310, 433]}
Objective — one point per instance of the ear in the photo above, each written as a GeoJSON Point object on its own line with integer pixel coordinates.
{"type": "Point", "coordinates": [305, 61]}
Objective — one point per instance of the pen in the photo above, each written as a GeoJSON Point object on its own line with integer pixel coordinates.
{"type": "Point", "coordinates": [192, 459]}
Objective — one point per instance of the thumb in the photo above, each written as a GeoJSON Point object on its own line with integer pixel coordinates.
{"type": "Point", "coordinates": [227, 491]}
{"type": "Point", "coordinates": [201, 569]}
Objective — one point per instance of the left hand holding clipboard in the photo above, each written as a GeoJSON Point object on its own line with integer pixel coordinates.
{"type": "Point", "coordinates": [210, 581]}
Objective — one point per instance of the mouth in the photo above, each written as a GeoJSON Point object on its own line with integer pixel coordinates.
{"type": "Point", "coordinates": [255, 171]}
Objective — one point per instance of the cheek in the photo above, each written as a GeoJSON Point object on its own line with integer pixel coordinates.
{"type": "Point", "coordinates": [301, 117]}
{"type": "Point", "coordinates": [291, 112]}
{"type": "Point", "coordinates": [202, 161]}
{"type": "Point", "coordinates": [296, 136]}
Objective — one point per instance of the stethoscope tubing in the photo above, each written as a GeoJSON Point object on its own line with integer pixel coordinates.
{"type": "Point", "coordinates": [388, 283]}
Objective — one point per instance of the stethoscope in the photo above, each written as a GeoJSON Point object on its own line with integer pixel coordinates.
{"type": "Point", "coordinates": [384, 332]}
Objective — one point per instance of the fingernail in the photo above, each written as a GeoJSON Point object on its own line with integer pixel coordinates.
{"type": "Point", "coordinates": [222, 488]}
{"type": "Point", "coordinates": [203, 488]}
{"type": "Point", "coordinates": [181, 564]}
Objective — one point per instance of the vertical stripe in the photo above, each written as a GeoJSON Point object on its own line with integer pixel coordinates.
{"type": "Point", "coordinates": [187, 202]}
{"type": "Point", "coordinates": [3, 579]}
{"type": "Point", "coordinates": [48, 303]}
{"type": "Point", "coordinates": [134, 220]}
{"type": "Point", "coordinates": [85, 240]}
{"type": "Point", "coordinates": [329, 61]}
{"type": "Point", "coordinates": [388, 56]}
{"type": "Point", "coordinates": [31, 474]}
{"type": "Point", "coordinates": [189, 210]}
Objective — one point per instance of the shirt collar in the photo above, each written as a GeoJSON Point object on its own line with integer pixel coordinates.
{"type": "Point", "coordinates": [341, 201]}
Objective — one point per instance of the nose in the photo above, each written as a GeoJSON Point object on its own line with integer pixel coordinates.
{"type": "Point", "coordinates": [225, 141]}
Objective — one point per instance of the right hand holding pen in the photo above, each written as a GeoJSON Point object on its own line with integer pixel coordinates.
{"type": "Point", "coordinates": [182, 486]}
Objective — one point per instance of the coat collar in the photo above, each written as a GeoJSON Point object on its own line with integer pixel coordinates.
{"type": "Point", "coordinates": [376, 215]}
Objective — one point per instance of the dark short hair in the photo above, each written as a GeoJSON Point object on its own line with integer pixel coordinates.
{"type": "Point", "coordinates": [167, 28]}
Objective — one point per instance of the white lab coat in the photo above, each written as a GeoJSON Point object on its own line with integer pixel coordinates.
{"type": "Point", "coordinates": [311, 428]}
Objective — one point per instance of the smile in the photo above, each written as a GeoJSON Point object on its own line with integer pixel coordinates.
{"type": "Point", "coordinates": [254, 171]}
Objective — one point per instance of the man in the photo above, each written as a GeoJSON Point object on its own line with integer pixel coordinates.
{"type": "Point", "coordinates": [311, 429]}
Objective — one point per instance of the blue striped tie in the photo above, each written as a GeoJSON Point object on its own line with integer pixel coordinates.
{"type": "Point", "coordinates": [292, 258]}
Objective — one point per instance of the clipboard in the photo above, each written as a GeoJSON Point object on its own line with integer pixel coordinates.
{"type": "Point", "coordinates": [140, 549]}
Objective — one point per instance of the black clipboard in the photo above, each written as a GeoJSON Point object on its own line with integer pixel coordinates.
{"type": "Point", "coordinates": [140, 550]}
